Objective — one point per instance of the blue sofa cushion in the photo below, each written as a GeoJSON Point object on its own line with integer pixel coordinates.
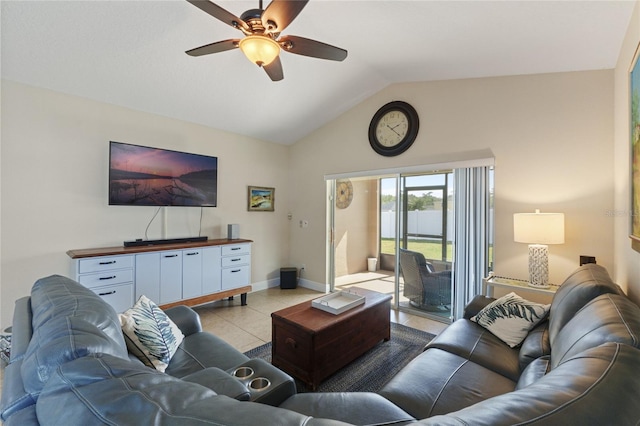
{"type": "Point", "coordinates": [56, 296]}
{"type": "Point", "coordinates": [59, 341]}
{"type": "Point", "coordinates": [102, 389]}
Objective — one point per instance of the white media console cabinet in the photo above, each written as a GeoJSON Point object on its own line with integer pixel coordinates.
{"type": "Point", "coordinates": [170, 274]}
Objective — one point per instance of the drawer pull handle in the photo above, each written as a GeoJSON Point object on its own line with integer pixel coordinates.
{"type": "Point", "coordinates": [107, 293]}
{"type": "Point", "coordinates": [107, 278]}
{"type": "Point", "coordinates": [291, 342]}
{"type": "Point", "coordinates": [193, 253]}
{"type": "Point", "coordinates": [171, 255]}
{"type": "Point", "coordinates": [236, 270]}
{"type": "Point", "coordinates": [110, 262]}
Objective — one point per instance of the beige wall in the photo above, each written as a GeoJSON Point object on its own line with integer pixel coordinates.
{"type": "Point", "coordinates": [54, 186]}
{"type": "Point", "coordinates": [627, 261]}
{"type": "Point", "coordinates": [356, 229]}
{"type": "Point", "coordinates": [552, 137]}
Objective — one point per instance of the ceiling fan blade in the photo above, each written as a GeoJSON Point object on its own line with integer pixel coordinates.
{"type": "Point", "coordinates": [274, 70]}
{"type": "Point", "coordinates": [313, 48]}
{"type": "Point", "coordinates": [219, 46]}
{"type": "Point", "coordinates": [220, 13]}
{"type": "Point", "coordinates": [280, 13]}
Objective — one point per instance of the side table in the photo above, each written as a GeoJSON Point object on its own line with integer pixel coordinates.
{"type": "Point", "coordinates": [493, 281]}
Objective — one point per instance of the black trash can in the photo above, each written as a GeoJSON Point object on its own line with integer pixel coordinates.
{"type": "Point", "coordinates": [288, 278]}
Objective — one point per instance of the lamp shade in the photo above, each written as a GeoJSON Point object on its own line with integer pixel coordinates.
{"type": "Point", "coordinates": [261, 50]}
{"type": "Point", "coordinates": [538, 228]}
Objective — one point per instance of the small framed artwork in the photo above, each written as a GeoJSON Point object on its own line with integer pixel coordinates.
{"type": "Point", "coordinates": [634, 123]}
{"type": "Point", "coordinates": [261, 199]}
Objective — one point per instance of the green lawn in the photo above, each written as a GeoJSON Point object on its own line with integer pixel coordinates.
{"type": "Point", "coordinates": [430, 250]}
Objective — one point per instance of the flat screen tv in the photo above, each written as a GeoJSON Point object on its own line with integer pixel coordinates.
{"type": "Point", "coordinates": [145, 176]}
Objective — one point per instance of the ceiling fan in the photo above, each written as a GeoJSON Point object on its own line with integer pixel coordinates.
{"type": "Point", "coordinates": [262, 42]}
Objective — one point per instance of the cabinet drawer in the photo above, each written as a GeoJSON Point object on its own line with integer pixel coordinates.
{"type": "Point", "coordinates": [235, 277]}
{"type": "Point", "coordinates": [236, 249]}
{"type": "Point", "coordinates": [106, 278]}
{"type": "Point", "coordinates": [119, 296]}
{"type": "Point", "coordinates": [104, 263]}
{"type": "Point", "coordinates": [231, 261]}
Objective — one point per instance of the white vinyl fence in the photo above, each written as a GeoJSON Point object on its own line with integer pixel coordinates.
{"type": "Point", "coordinates": [425, 222]}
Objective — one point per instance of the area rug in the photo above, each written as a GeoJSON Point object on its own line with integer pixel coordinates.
{"type": "Point", "coordinates": [373, 369]}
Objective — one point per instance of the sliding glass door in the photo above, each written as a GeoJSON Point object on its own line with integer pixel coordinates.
{"type": "Point", "coordinates": [431, 232]}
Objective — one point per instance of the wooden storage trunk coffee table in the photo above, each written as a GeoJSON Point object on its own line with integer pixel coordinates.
{"type": "Point", "coordinates": [311, 344]}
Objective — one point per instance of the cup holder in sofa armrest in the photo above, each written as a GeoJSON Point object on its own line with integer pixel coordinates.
{"type": "Point", "coordinates": [266, 383]}
{"type": "Point", "coordinates": [259, 384]}
{"type": "Point", "coordinates": [220, 382]}
{"type": "Point", "coordinates": [242, 373]}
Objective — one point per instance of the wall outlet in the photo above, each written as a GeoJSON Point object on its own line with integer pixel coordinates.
{"type": "Point", "coordinates": [587, 259]}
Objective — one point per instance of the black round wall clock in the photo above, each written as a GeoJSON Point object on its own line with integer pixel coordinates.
{"type": "Point", "coordinates": [393, 128]}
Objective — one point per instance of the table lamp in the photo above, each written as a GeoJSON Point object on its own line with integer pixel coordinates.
{"type": "Point", "coordinates": [538, 229]}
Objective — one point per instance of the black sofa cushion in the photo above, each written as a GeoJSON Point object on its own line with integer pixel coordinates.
{"type": "Point", "coordinates": [607, 318]}
{"type": "Point", "coordinates": [584, 284]}
{"type": "Point", "coordinates": [535, 345]}
{"type": "Point", "coordinates": [599, 386]}
{"type": "Point", "coordinates": [439, 382]}
{"type": "Point", "coordinates": [361, 408]}
{"type": "Point", "coordinates": [470, 341]}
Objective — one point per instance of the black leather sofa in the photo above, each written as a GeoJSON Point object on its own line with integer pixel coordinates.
{"type": "Point", "coordinates": [578, 367]}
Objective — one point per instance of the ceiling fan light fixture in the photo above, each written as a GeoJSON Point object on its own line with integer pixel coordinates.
{"type": "Point", "coordinates": [261, 50]}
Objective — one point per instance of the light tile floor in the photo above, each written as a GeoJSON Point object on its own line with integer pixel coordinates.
{"type": "Point", "coordinates": [246, 327]}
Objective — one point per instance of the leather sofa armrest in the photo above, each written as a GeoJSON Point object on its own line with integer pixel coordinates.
{"type": "Point", "coordinates": [14, 397]}
{"type": "Point", "coordinates": [21, 330]}
{"type": "Point", "coordinates": [187, 320]}
{"type": "Point", "coordinates": [220, 382]}
{"type": "Point", "coordinates": [476, 305]}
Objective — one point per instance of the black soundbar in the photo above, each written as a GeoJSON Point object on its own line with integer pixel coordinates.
{"type": "Point", "coordinates": [141, 242]}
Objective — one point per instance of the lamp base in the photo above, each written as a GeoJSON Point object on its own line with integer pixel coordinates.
{"type": "Point", "coordinates": [539, 265]}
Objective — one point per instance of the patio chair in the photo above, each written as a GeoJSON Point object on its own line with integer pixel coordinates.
{"type": "Point", "coordinates": [424, 287]}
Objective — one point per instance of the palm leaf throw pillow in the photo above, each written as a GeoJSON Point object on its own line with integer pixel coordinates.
{"type": "Point", "coordinates": [150, 334]}
{"type": "Point", "coordinates": [510, 318]}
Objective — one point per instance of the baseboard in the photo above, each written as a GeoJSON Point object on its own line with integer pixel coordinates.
{"type": "Point", "coordinates": [312, 285]}
{"type": "Point", "coordinates": [263, 285]}
{"type": "Point", "coordinates": [275, 282]}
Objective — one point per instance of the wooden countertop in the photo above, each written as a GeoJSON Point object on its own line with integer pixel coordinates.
{"type": "Point", "coordinates": [111, 251]}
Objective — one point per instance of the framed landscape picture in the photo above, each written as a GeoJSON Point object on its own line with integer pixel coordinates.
{"type": "Point", "coordinates": [261, 199]}
{"type": "Point", "coordinates": [634, 123]}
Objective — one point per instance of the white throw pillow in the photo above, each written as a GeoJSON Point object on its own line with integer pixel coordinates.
{"type": "Point", "coordinates": [150, 334]}
{"type": "Point", "coordinates": [510, 318]}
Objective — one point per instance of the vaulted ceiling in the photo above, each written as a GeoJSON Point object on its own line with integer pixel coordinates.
{"type": "Point", "coordinates": [132, 53]}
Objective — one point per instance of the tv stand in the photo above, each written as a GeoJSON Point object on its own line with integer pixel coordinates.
{"type": "Point", "coordinates": [140, 242]}
{"type": "Point", "coordinates": [188, 273]}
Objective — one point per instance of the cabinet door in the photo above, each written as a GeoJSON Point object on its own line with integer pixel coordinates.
{"type": "Point", "coordinates": [211, 270]}
{"type": "Point", "coordinates": [170, 276]}
{"type": "Point", "coordinates": [191, 273]}
{"type": "Point", "coordinates": [148, 276]}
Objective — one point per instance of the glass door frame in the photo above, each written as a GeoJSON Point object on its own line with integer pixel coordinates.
{"type": "Point", "coordinates": [473, 159]}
